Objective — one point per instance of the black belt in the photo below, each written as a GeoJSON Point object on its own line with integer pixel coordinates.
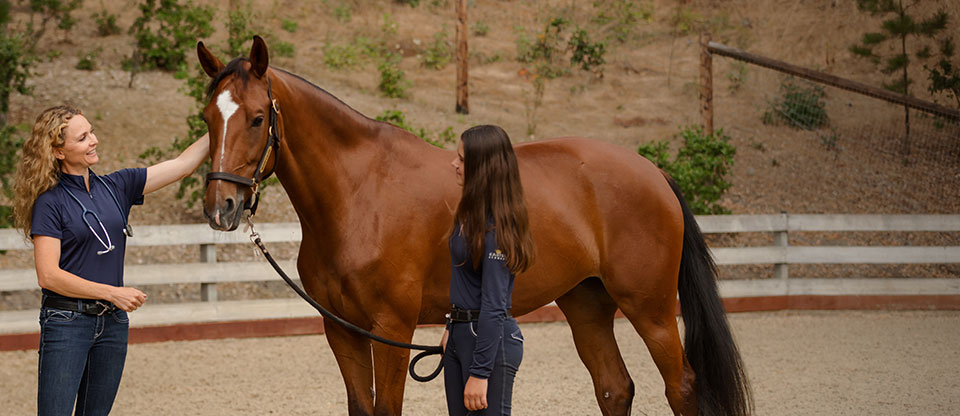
{"type": "Point", "coordinates": [85, 306]}
{"type": "Point", "coordinates": [458, 314]}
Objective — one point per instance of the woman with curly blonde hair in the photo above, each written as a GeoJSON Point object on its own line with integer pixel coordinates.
{"type": "Point", "coordinates": [77, 221]}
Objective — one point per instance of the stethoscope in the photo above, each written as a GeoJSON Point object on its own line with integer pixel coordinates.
{"type": "Point", "coordinates": [108, 245]}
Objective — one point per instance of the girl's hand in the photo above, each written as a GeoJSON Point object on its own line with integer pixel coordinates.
{"type": "Point", "coordinates": [475, 394]}
{"type": "Point", "coordinates": [443, 341]}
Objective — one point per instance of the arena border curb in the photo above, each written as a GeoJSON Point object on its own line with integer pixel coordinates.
{"type": "Point", "coordinates": [549, 313]}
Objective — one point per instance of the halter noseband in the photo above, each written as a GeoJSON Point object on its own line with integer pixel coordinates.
{"type": "Point", "coordinates": [273, 143]}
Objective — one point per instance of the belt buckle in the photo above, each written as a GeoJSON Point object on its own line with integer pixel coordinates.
{"type": "Point", "coordinates": [104, 308]}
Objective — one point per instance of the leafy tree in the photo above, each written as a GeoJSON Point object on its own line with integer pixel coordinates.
{"type": "Point", "coordinates": [16, 57]}
{"type": "Point", "coordinates": [700, 167]}
{"type": "Point", "coordinates": [899, 27]}
{"type": "Point", "coordinates": [165, 31]}
{"type": "Point", "coordinates": [945, 75]}
{"type": "Point", "coordinates": [239, 30]}
{"type": "Point", "coordinates": [52, 10]}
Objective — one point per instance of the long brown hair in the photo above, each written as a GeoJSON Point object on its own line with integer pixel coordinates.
{"type": "Point", "coordinates": [38, 170]}
{"type": "Point", "coordinates": [492, 189]}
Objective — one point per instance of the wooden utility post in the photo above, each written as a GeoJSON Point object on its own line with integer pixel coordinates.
{"type": "Point", "coordinates": [706, 83]}
{"type": "Point", "coordinates": [462, 106]}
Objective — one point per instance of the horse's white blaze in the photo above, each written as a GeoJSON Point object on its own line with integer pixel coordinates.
{"type": "Point", "coordinates": [227, 108]}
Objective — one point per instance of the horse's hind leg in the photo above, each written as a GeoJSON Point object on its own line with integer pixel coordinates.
{"type": "Point", "coordinates": [356, 367]}
{"type": "Point", "coordinates": [589, 311]}
{"type": "Point", "coordinates": [654, 318]}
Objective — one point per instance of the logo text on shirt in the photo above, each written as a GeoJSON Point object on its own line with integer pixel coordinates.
{"type": "Point", "coordinates": [497, 255]}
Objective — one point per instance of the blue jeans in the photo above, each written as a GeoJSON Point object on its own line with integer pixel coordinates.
{"type": "Point", "coordinates": [81, 361]}
{"type": "Point", "coordinates": [459, 356]}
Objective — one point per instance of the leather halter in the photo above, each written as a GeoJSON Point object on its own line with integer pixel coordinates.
{"type": "Point", "coordinates": [273, 143]}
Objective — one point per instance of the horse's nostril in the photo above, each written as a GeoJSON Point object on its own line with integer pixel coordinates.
{"type": "Point", "coordinates": [230, 203]}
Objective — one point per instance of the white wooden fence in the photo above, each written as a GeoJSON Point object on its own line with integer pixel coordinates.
{"type": "Point", "coordinates": [208, 272]}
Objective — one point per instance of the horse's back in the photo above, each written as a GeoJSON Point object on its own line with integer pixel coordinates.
{"type": "Point", "coordinates": [614, 177]}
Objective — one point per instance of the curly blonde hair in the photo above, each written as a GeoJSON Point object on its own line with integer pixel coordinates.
{"type": "Point", "coordinates": [38, 170]}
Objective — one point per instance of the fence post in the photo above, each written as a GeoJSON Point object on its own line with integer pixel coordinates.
{"type": "Point", "coordinates": [208, 254]}
{"type": "Point", "coordinates": [780, 239]}
{"type": "Point", "coordinates": [706, 83]}
{"type": "Point", "coordinates": [462, 59]}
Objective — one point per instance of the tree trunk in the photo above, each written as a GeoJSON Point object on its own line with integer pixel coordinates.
{"type": "Point", "coordinates": [463, 106]}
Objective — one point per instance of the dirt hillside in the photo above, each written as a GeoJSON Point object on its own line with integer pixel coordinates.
{"type": "Point", "coordinates": [647, 91]}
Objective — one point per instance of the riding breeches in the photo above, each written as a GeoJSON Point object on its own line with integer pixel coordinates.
{"type": "Point", "coordinates": [459, 356]}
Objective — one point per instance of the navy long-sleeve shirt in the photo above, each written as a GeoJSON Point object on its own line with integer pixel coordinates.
{"type": "Point", "coordinates": [488, 289]}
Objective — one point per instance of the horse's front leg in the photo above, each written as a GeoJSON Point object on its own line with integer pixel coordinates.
{"type": "Point", "coordinates": [356, 367]}
{"type": "Point", "coordinates": [390, 367]}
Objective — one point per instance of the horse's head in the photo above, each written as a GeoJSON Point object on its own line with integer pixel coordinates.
{"type": "Point", "coordinates": [238, 120]}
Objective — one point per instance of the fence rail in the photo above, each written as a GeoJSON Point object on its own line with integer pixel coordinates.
{"type": "Point", "coordinates": [209, 272]}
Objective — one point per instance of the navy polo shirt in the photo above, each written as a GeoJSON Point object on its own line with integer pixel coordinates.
{"type": "Point", "coordinates": [57, 215]}
{"type": "Point", "coordinates": [488, 289]}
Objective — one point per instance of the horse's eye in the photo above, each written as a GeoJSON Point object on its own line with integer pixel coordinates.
{"type": "Point", "coordinates": [258, 121]}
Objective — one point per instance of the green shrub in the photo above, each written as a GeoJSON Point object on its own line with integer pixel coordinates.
{"type": "Point", "coordinates": [388, 26]}
{"type": "Point", "coordinates": [800, 105]}
{"type": "Point", "coordinates": [397, 118]}
{"type": "Point", "coordinates": [343, 13]}
{"type": "Point", "coordinates": [106, 23]}
{"type": "Point", "coordinates": [480, 29]}
{"type": "Point", "coordinates": [393, 82]}
{"type": "Point", "coordinates": [621, 17]}
{"type": "Point", "coordinates": [686, 21]}
{"type": "Point", "coordinates": [588, 55]}
{"type": "Point", "coordinates": [11, 141]}
{"type": "Point", "coordinates": [737, 76]}
{"type": "Point", "coordinates": [240, 30]}
{"type": "Point", "coordinates": [547, 44]}
{"type": "Point", "coordinates": [340, 56]}
{"type": "Point", "coordinates": [700, 167]}
{"type": "Point", "coordinates": [289, 25]}
{"type": "Point", "coordinates": [438, 53]}
{"type": "Point", "coordinates": [351, 55]}
{"type": "Point", "coordinates": [88, 60]}
{"type": "Point", "coordinates": [166, 30]}
{"type": "Point", "coordinates": [411, 3]}
{"type": "Point", "coordinates": [281, 48]}
{"type": "Point", "coordinates": [15, 62]}
{"type": "Point", "coordinates": [56, 9]}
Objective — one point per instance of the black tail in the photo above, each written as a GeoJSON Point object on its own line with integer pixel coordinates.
{"type": "Point", "coordinates": [721, 384]}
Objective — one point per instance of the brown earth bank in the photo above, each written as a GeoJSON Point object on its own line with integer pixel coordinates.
{"type": "Point", "coordinates": [648, 89]}
{"type": "Point", "coordinates": [799, 363]}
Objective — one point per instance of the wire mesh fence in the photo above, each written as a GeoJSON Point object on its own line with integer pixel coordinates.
{"type": "Point", "coordinates": [843, 152]}
{"type": "Point", "coordinates": [817, 148]}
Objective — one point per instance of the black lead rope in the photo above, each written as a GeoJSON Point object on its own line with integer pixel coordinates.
{"type": "Point", "coordinates": [427, 350]}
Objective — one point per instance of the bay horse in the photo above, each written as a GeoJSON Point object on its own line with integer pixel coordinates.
{"type": "Point", "coordinates": [376, 206]}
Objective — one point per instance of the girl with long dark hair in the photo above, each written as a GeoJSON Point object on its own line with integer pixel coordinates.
{"type": "Point", "coordinates": [490, 244]}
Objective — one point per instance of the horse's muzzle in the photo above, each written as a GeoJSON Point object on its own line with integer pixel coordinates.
{"type": "Point", "coordinates": [225, 215]}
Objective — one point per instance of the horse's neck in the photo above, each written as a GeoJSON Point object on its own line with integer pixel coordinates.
{"type": "Point", "coordinates": [329, 150]}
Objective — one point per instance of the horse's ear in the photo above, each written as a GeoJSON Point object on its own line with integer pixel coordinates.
{"type": "Point", "coordinates": [258, 57]}
{"type": "Point", "coordinates": [211, 65]}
